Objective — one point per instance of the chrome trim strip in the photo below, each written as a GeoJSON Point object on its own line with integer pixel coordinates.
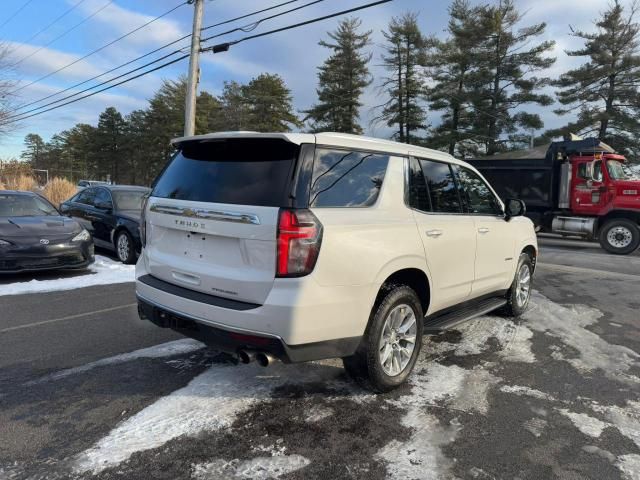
{"type": "Point", "coordinates": [217, 215]}
{"type": "Point", "coordinates": [205, 321]}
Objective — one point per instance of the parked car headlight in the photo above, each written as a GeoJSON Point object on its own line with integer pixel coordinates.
{"type": "Point", "coordinates": [81, 237]}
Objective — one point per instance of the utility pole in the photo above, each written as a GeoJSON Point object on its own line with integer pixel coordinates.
{"type": "Point", "coordinates": [194, 70]}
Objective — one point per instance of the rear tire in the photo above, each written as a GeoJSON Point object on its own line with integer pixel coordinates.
{"type": "Point", "coordinates": [519, 294]}
{"type": "Point", "coordinates": [620, 236]}
{"type": "Point", "coordinates": [391, 344]}
{"type": "Point", "coordinates": [125, 249]}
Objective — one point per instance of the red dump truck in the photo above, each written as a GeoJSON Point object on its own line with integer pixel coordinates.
{"type": "Point", "coordinates": [574, 187]}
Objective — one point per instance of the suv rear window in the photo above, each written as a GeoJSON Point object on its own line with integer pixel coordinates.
{"type": "Point", "coordinates": [237, 171]}
{"type": "Point", "coordinates": [345, 178]}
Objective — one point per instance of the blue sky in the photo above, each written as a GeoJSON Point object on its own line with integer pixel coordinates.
{"type": "Point", "coordinates": [294, 54]}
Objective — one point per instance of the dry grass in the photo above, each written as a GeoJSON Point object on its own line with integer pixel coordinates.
{"type": "Point", "coordinates": [19, 182]}
{"type": "Point", "coordinates": [58, 190]}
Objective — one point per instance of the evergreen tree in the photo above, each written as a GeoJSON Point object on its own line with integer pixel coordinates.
{"type": "Point", "coordinates": [342, 79]}
{"type": "Point", "coordinates": [268, 102]}
{"type": "Point", "coordinates": [405, 52]}
{"type": "Point", "coordinates": [507, 68]}
{"type": "Point", "coordinates": [234, 107]}
{"type": "Point", "coordinates": [452, 67]}
{"type": "Point", "coordinates": [604, 90]}
{"type": "Point", "coordinates": [110, 139]}
{"type": "Point", "coordinates": [34, 150]}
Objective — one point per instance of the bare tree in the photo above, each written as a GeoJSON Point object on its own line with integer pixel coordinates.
{"type": "Point", "coordinates": [7, 85]}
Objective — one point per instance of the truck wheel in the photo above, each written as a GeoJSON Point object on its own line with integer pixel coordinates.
{"type": "Point", "coordinates": [620, 236]}
{"type": "Point", "coordinates": [392, 341]}
{"type": "Point", "coordinates": [520, 292]}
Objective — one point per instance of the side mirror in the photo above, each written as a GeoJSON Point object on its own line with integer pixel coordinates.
{"type": "Point", "coordinates": [104, 205]}
{"type": "Point", "coordinates": [514, 208]}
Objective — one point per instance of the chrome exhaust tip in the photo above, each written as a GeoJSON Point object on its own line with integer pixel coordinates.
{"type": "Point", "coordinates": [264, 359]}
{"type": "Point", "coordinates": [246, 356]}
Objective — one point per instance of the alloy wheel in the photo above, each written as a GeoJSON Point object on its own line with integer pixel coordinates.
{"type": "Point", "coordinates": [398, 340]}
{"type": "Point", "coordinates": [123, 247]}
{"type": "Point", "coordinates": [523, 286]}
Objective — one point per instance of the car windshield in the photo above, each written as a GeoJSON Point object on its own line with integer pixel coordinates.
{"type": "Point", "coordinates": [129, 199]}
{"type": "Point", "coordinates": [24, 206]}
{"type": "Point", "coordinates": [619, 171]}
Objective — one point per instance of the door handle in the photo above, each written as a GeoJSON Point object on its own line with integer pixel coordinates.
{"type": "Point", "coordinates": [483, 230]}
{"type": "Point", "coordinates": [434, 233]}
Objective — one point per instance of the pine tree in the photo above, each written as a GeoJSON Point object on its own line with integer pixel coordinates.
{"type": "Point", "coordinates": [234, 107]}
{"type": "Point", "coordinates": [269, 105]}
{"type": "Point", "coordinates": [34, 149]}
{"type": "Point", "coordinates": [452, 68]}
{"type": "Point", "coordinates": [405, 53]}
{"type": "Point", "coordinates": [110, 138]}
{"type": "Point", "coordinates": [508, 64]}
{"type": "Point", "coordinates": [604, 90]}
{"type": "Point", "coordinates": [341, 80]}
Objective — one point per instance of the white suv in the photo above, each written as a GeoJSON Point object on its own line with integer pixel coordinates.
{"type": "Point", "coordinates": [301, 247]}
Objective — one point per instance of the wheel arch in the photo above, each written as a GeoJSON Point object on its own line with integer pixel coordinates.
{"type": "Point", "coordinates": [631, 215]}
{"type": "Point", "coordinates": [411, 276]}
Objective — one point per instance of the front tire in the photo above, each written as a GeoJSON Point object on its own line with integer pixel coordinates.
{"type": "Point", "coordinates": [620, 236]}
{"type": "Point", "coordinates": [519, 294]}
{"type": "Point", "coordinates": [391, 344]}
{"type": "Point", "coordinates": [125, 249]}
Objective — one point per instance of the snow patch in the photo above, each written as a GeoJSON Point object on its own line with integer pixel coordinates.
{"type": "Point", "coordinates": [317, 413]}
{"type": "Point", "coordinates": [169, 349]}
{"type": "Point", "coordinates": [211, 401]}
{"type": "Point", "coordinates": [586, 424]}
{"type": "Point", "coordinates": [568, 324]}
{"type": "Point", "coordinates": [592, 449]}
{"type": "Point", "coordinates": [526, 391]}
{"type": "Point", "coordinates": [514, 339]}
{"type": "Point", "coordinates": [103, 272]}
{"type": "Point", "coordinates": [625, 419]}
{"type": "Point", "coordinates": [260, 468]}
{"type": "Point", "coordinates": [629, 465]}
{"type": "Point", "coordinates": [420, 457]}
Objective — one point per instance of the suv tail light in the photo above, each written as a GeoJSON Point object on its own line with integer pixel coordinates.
{"type": "Point", "coordinates": [299, 239]}
{"type": "Point", "coordinates": [143, 222]}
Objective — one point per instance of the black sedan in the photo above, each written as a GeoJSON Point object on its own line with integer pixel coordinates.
{"type": "Point", "coordinates": [34, 236]}
{"type": "Point", "coordinates": [111, 214]}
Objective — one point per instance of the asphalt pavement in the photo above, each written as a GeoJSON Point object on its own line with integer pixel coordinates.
{"type": "Point", "coordinates": [87, 390]}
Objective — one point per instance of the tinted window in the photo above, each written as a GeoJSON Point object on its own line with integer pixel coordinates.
{"type": "Point", "coordinates": [86, 196]}
{"type": "Point", "coordinates": [344, 178]}
{"type": "Point", "coordinates": [102, 196]}
{"type": "Point", "coordinates": [479, 197]}
{"type": "Point", "coordinates": [238, 171]}
{"type": "Point", "coordinates": [129, 199]}
{"type": "Point", "coordinates": [597, 171]}
{"type": "Point", "coordinates": [582, 171]}
{"type": "Point", "coordinates": [418, 193]}
{"type": "Point", "coordinates": [443, 190]}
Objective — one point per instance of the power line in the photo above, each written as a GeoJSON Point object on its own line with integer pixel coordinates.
{"type": "Point", "coordinates": [249, 14]}
{"type": "Point", "coordinates": [362, 7]}
{"type": "Point", "coordinates": [11, 17]}
{"type": "Point", "coordinates": [95, 86]}
{"type": "Point", "coordinates": [241, 17]}
{"type": "Point", "coordinates": [102, 90]}
{"type": "Point", "coordinates": [223, 47]}
{"type": "Point", "coordinates": [100, 48]}
{"type": "Point", "coordinates": [56, 20]}
{"type": "Point", "coordinates": [69, 30]}
{"type": "Point", "coordinates": [254, 25]}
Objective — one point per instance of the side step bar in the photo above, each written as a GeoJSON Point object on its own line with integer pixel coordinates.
{"type": "Point", "coordinates": [450, 318]}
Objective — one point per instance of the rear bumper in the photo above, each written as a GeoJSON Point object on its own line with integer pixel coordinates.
{"type": "Point", "coordinates": [232, 340]}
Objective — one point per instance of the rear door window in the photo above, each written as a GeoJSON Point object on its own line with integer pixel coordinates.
{"type": "Point", "coordinates": [346, 178]}
{"type": "Point", "coordinates": [234, 171]}
{"type": "Point", "coordinates": [443, 190]}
